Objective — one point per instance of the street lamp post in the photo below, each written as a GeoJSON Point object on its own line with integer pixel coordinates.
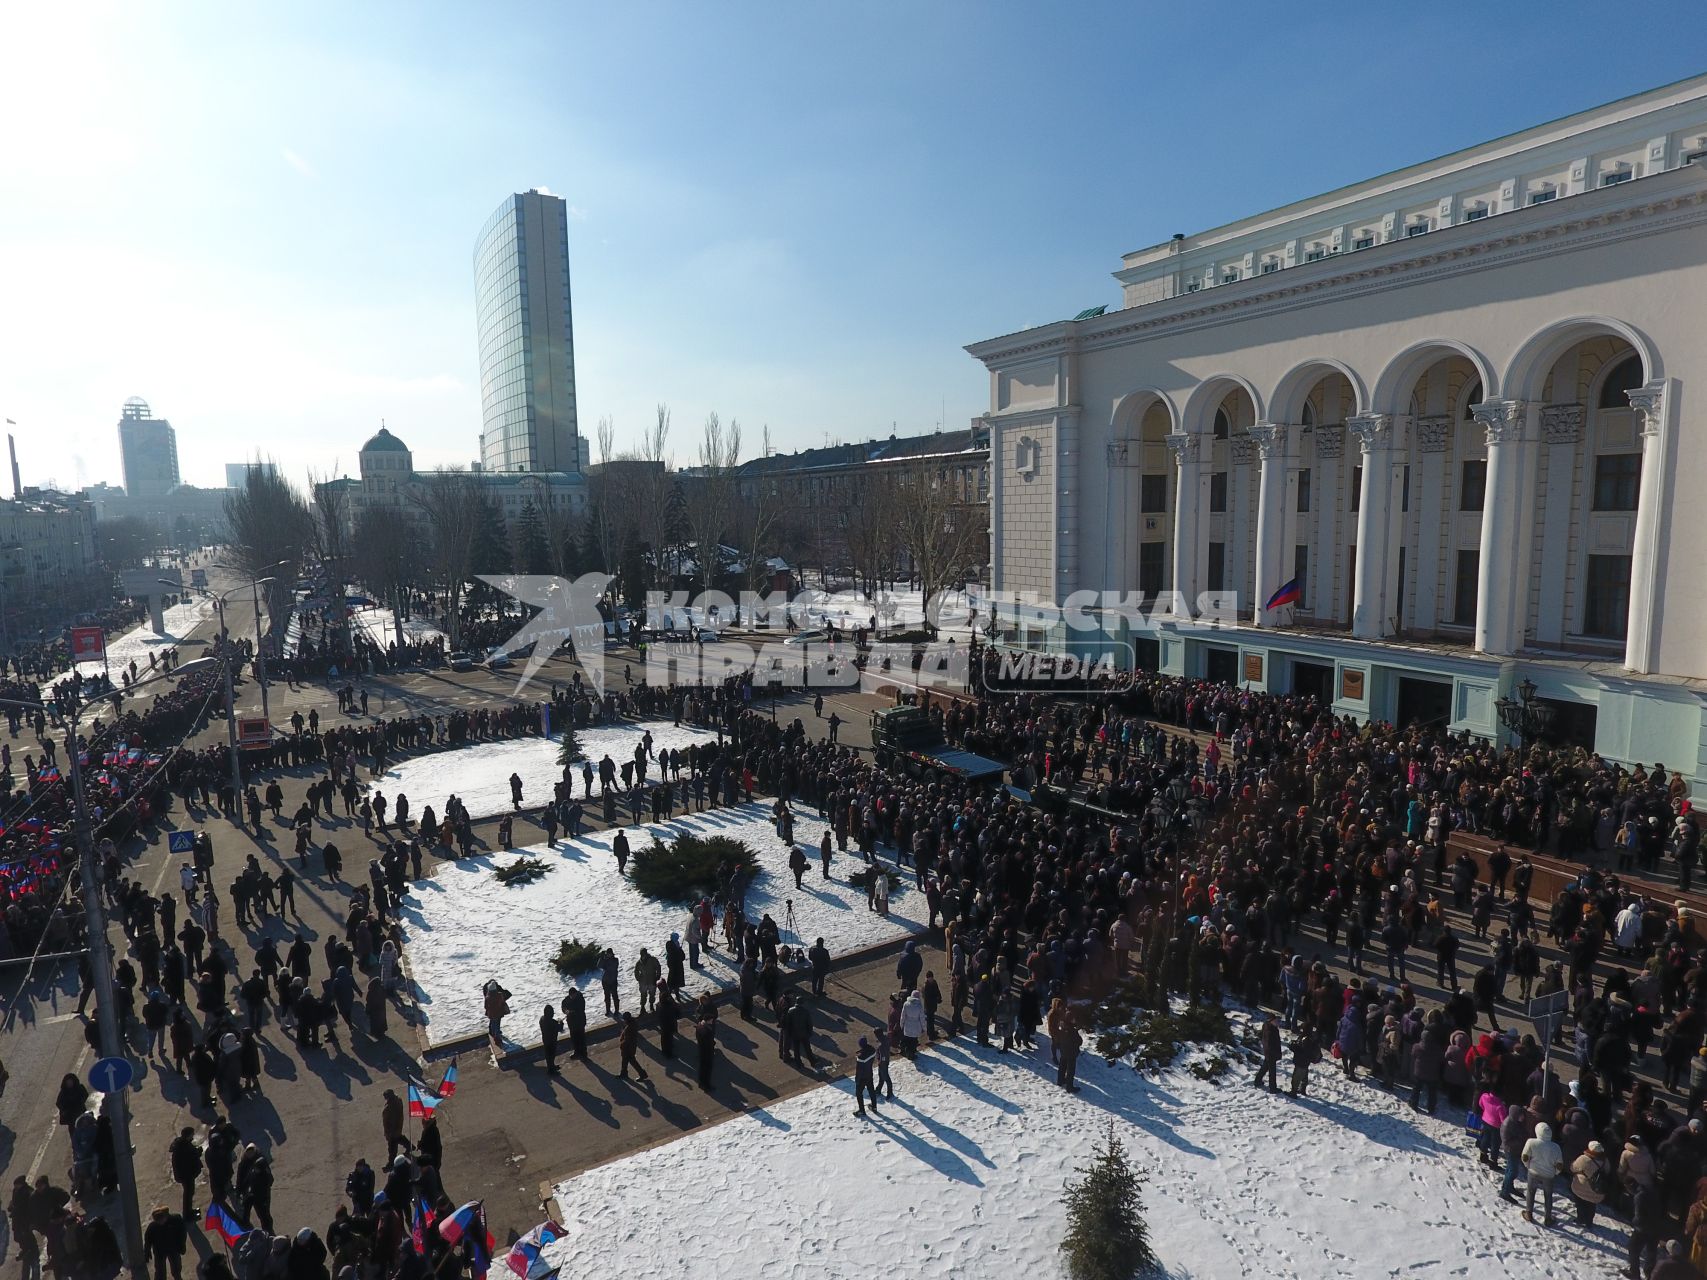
{"type": "Point", "coordinates": [255, 585]}
{"type": "Point", "coordinates": [231, 698]}
{"type": "Point", "coordinates": [1527, 716]}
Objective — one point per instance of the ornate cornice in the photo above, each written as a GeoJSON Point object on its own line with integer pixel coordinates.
{"type": "Point", "coordinates": [1270, 439]}
{"type": "Point", "coordinates": [1330, 443]}
{"type": "Point", "coordinates": [1525, 235]}
{"type": "Point", "coordinates": [1562, 423]}
{"type": "Point", "coordinates": [1434, 433]}
{"type": "Point", "coordinates": [1502, 420]}
{"type": "Point", "coordinates": [1649, 404]}
{"type": "Point", "coordinates": [1372, 431]}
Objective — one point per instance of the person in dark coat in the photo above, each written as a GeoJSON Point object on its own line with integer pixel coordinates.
{"type": "Point", "coordinates": [72, 1100]}
{"type": "Point", "coordinates": [185, 1158]}
{"type": "Point", "coordinates": [575, 1019]}
{"type": "Point", "coordinates": [628, 1046]}
{"type": "Point", "coordinates": [358, 1186]}
{"type": "Point", "coordinates": [1271, 1047]}
{"type": "Point", "coordinates": [668, 1013]}
{"type": "Point", "coordinates": [165, 1240]}
{"type": "Point", "coordinates": [705, 1039]}
{"type": "Point", "coordinates": [430, 1147]}
{"type": "Point", "coordinates": [549, 1027]}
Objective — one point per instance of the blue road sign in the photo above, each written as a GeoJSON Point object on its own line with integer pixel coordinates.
{"type": "Point", "coordinates": [112, 1075]}
{"type": "Point", "coordinates": [180, 841]}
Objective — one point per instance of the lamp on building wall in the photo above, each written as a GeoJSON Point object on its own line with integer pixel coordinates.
{"type": "Point", "coordinates": [1527, 716]}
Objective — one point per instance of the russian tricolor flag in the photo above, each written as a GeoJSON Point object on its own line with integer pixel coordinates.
{"type": "Point", "coordinates": [422, 1101]}
{"type": "Point", "coordinates": [219, 1220]}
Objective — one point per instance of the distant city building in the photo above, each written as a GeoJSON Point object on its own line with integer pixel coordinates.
{"type": "Point", "coordinates": [389, 481]}
{"type": "Point", "coordinates": [47, 559]}
{"type": "Point", "coordinates": [237, 473]}
{"type": "Point", "coordinates": [527, 345]}
{"type": "Point", "coordinates": [148, 448]}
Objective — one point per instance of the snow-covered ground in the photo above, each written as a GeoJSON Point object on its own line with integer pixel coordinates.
{"type": "Point", "coordinates": [463, 927]}
{"type": "Point", "coordinates": [180, 619]}
{"type": "Point", "coordinates": [480, 774]}
{"type": "Point", "coordinates": [894, 609]}
{"type": "Point", "coordinates": [962, 1175]}
{"type": "Point", "coordinates": [380, 626]}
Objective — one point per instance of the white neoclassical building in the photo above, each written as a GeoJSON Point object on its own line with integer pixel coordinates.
{"type": "Point", "coordinates": [1454, 403]}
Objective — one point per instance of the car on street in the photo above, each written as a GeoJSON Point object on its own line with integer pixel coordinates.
{"type": "Point", "coordinates": [497, 660]}
{"type": "Point", "coordinates": [460, 661]}
{"type": "Point", "coordinates": [808, 637]}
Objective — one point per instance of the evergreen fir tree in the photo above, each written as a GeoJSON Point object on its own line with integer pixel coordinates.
{"type": "Point", "coordinates": [568, 750]}
{"type": "Point", "coordinates": [1107, 1238]}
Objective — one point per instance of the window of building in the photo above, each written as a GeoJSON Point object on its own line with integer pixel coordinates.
{"type": "Point", "coordinates": [1217, 566]}
{"type": "Point", "coordinates": [1472, 484]}
{"type": "Point", "coordinates": [1606, 604]}
{"type": "Point", "coordinates": [1617, 481]}
{"type": "Point", "coordinates": [1613, 178]}
{"type": "Point", "coordinates": [1301, 571]}
{"type": "Point", "coordinates": [1270, 265]}
{"type": "Point", "coordinates": [1464, 588]}
{"type": "Point", "coordinates": [1475, 212]}
{"type": "Point", "coordinates": [1543, 196]}
{"type": "Point", "coordinates": [1695, 157]}
{"type": "Point", "coordinates": [1218, 491]}
{"type": "Point", "coordinates": [1625, 378]}
{"type": "Point", "coordinates": [1419, 228]}
{"type": "Point", "coordinates": [1192, 286]}
{"type": "Point", "coordinates": [1150, 567]}
{"type": "Point", "coordinates": [1363, 242]}
{"type": "Point", "coordinates": [1153, 493]}
{"type": "Point", "coordinates": [1471, 401]}
{"type": "Point", "coordinates": [1315, 253]}
{"type": "Point", "coordinates": [1304, 490]}
{"type": "Point", "coordinates": [1223, 428]}
{"type": "Point", "coordinates": [1356, 487]}
{"type": "Point", "coordinates": [1230, 275]}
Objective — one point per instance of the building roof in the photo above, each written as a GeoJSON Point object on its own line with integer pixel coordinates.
{"type": "Point", "coordinates": [382, 441]}
{"type": "Point", "coordinates": [936, 443]}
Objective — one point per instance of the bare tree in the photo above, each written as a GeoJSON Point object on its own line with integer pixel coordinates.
{"type": "Point", "coordinates": [271, 534]}
{"type": "Point", "coordinates": [872, 531]}
{"type": "Point", "coordinates": [383, 557]}
{"type": "Point", "coordinates": [331, 524]}
{"type": "Point", "coordinates": [658, 493]}
{"type": "Point", "coordinates": [708, 500]}
{"type": "Point", "coordinates": [455, 506]}
{"type": "Point", "coordinates": [936, 528]}
{"type": "Point", "coordinates": [760, 520]}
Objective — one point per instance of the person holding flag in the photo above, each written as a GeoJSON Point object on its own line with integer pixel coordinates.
{"type": "Point", "coordinates": [467, 1227]}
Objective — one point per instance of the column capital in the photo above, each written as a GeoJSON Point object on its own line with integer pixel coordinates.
{"type": "Point", "coordinates": [1502, 420]}
{"type": "Point", "coordinates": [1434, 433]}
{"type": "Point", "coordinates": [1562, 423]}
{"type": "Point", "coordinates": [1373, 431]}
{"type": "Point", "coordinates": [1649, 404]}
{"type": "Point", "coordinates": [1270, 439]}
{"type": "Point", "coordinates": [1186, 446]}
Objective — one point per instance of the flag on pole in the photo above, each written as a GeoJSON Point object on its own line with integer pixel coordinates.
{"type": "Point", "coordinates": [420, 1219]}
{"type": "Point", "coordinates": [423, 1102]}
{"type": "Point", "coordinates": [1288, 593]}
{"type": "Point", "coordinates": [447, 1086]}
{"type": "Point", "coordinates": [219, 1221]}
{"type": "Point", "coordinates": [469, 1224]}
{"type": "Point", "coordinates": [526, 1258]}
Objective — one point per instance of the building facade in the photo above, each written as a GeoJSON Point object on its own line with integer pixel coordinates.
{"type": "Point", "coordinates": [237, 473]}
{"type": "Point", "coordinates": [1449, 408]}
{"type": "Point", "coordinates": [389, 481]}
{"type": "Point", "coordinates": [527, 345]}
{"type": "Point", "coordinates": [148, 450]}
{"type": "Point", "coordinates": [48, 560]}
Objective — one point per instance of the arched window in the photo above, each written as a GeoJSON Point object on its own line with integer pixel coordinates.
{"type": "Point", "coordinates": [1223, 428]}
{"type": "Point", "coordinates": [1626, 377]}
{"type": "Point", "coordinates": [1309, 414]}
{"type": "Point", "coordinates": [1471, 400]}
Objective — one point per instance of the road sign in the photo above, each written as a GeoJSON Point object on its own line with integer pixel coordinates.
{"type": "Point", "coordinates": [180, 842]}
{"type": "Point", "coordinates": [112, 1075]}
{"type": "Point", "coordinates": [253, 731]}
{"type": "Point", "coordinates": [1556, 1002]}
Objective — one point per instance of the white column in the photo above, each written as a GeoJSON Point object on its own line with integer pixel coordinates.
{"type": "Point", "coordinates": [1241, 452]}
{"type": "Point", "coordinates": [1502, 582]}
{"type": "Point", "coordinates": [1428, 485]}
{"type": "Point", "coordinates": [1324, 584]}
{"type": "Point", "coordinates": [1561, 438]}
{"type": "Point", "coordinates": [1189, 504]}
{"type": "Point", "coordinates": [1270, 440]}
{"type": "Point", "coordinates": [1066, 505]}
{"type": "Point", "coordinates": [1651, 404]}
{"type": "Point", "coordinates": [1374, 435]}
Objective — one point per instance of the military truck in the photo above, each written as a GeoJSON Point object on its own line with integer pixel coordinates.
{"type": "Point", "coordinates": [905, 738]}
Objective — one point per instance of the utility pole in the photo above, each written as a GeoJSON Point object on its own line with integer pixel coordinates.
{"type": "Point", "coordinates": [106, 1017]}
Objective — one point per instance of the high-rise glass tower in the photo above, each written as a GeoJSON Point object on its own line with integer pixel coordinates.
{"type": "Point", "coordinates": [527, 347]}
{"type": "Point", "coordinates": [148, 449]}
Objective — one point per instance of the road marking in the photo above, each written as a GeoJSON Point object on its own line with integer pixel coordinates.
{"type": "Point", "coordinates": [41, 1151]}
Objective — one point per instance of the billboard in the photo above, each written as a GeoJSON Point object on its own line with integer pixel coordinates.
{"type": "Point", "coordinates": [88, 644]}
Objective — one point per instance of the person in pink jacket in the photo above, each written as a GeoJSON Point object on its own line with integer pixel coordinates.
{"type": "Point", "coordinates": [1493, 1110]}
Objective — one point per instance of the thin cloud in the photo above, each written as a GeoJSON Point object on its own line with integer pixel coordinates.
{"type": "Point", "coordinates": [577, 213]}
{"type": "Point", "coordinates": [299, 164]}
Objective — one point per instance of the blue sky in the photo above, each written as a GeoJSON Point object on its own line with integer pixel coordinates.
{"type": "Point", "coordinates": [261, 218]}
